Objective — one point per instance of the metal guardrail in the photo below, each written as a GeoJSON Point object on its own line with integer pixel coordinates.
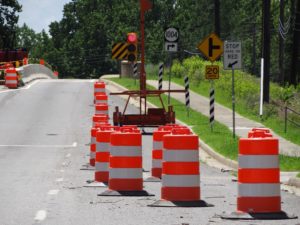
{"type": "Point", "coordinates": [286, 119]}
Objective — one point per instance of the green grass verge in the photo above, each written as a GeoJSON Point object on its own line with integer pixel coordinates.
{"type": "Point", "coordinates": [298, 175]}
{"type": "Point", "coordinates": [220, 139]}
{"type": "Point", "coordinates": [272, 121]}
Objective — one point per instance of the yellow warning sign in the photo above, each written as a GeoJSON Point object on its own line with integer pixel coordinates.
{"type": "Point", "coordinates": [119, 51]}
{"type": "Point", "coordinates": [211, 47]}
{"type": "Point", "coordinates": [212, 72]}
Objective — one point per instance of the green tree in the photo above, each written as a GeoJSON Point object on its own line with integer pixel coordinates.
{"type": "Point", "coordinates": [8, 20]}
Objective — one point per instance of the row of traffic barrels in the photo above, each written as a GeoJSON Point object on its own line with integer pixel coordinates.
{"type": "Point", "coordinates": [116, 154]}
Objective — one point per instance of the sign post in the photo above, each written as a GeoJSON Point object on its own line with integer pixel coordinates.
{"type": "Point", "coordinates": [171, 46]}
{"type": "Point", "coordinates": [187, 94]}
{"type": "Point", "coordinates": [212, 48]}
{"type": "Point", "coordinates": [232, 60]}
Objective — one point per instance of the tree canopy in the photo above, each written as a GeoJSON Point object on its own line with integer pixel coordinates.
{"type": "Point", "coordinates": [79, 45]}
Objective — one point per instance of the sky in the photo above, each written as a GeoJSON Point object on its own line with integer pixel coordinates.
{"type": "Point", "coordinates": [38, 14]}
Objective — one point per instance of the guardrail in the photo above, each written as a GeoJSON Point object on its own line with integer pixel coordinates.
{"type": "Point", "coordinates": [286, 118]}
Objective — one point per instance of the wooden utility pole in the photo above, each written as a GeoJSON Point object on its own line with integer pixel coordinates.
{"type": "Point", "coordinates": [217, 18]}
{"type": "Point", "coordinates": [281, 44]}
{"type": "Point", "coordinates": [266, 49]}
{"type": "Point", "coordinates": [296, 46]}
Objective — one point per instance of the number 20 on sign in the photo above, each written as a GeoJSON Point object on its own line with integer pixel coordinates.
{"type": "Point", "coordinates": [212, 72]}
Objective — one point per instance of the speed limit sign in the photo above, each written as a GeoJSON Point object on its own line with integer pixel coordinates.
{"type": "Point", "coordinates": [212, 72]}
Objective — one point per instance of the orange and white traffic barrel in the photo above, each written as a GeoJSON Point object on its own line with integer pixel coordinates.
{"type": "Point", "coordinates": [101, 109]}
{"type": "Point", "coordinates": [258, 176]}
{"type": "Point", "coordinates": [125, 164]}
{"type": "Point", "coordinates": [157, 152]}
{"type": "Point", "coordinates": [258, 180]}
{"type": "Point", "coordinates": [101, 98]}
{"type": "Point", "coordinates": [180, 170]}
{"type": "Point", "coordinates": [102, 155]}
{"type": "Point", "coordinates": [93, 146]}
{"type": "Point", "coordinates": [11, 78]}
{"type": "Point", "coordinates": [99, 88]}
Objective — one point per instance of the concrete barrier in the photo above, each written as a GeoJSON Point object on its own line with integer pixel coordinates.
{"type": "Point", "coordinates": [32, 72]}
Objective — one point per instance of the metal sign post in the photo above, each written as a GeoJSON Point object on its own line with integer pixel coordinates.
{"type": "Point", "coordinates": [169, 88]}
{"type": "Point", "coordinates": [233, 100]}
{"type": "Point", "coordinates": [187, 94]}
{"type": "Point", "coordinates": [211, 105]}
{"type": "Point", "coordinates": [135, 71]}
{"type": "Point", "coordinates": [160, 76]}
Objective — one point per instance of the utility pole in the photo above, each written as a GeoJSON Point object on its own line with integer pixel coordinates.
{"type": "Point", "coordinates": [266, 48]}
{"type": "Point", "coordinates": [254, 49]}
{"type": "Point", "coordinates": [281, 45]}
{"type": "Point", "coordinates": [217, 18]}
{"type": "Point", "coordinates": [296, 47]}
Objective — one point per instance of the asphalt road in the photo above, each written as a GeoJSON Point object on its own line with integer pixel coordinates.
{"type": "Point", "coordinates": [44, 136]}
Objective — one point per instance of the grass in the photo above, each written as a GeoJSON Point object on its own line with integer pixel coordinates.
{"type": "Point", "coordinates": [298, 175]}
{"type": "Point", "coordinates": [273, 121]}
{"type": "Point", "coordinates": [220, 139]}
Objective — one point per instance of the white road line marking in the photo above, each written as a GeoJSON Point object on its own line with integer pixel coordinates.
{"type": "Point", "coordinates": [68, 155]}
{"type": "Point", "coordinates": [62, 171]}
{"type": "Point", "coordinates": [64, 163]}
{"type": "Point", "coordinates": [42, 146]}
{"type": "Point", "coordinates": [59, 180]}
{"type": "Point", "coordinates": [40, 215]}
{"type": "Point", "coordinates": [30, 85]}
{"type": "Point", "coordinates": [53, 192]}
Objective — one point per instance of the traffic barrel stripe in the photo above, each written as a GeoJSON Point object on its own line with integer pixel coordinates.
{"type": "Point", "coordinates": [101, 98]}
{"type": "Point", "coordinates": [256, 175]}
{"type": "Point", "coordinates": [129, 173]}
{"type": "Point", "coordinates": [261, 161]}
{"type": "Point", "coordinates": [259, 190]}
{"type": "Point", "coordinates": [182, 155]}
{"type": "Point", "coordinates": [180, 180]}
{"type": "Point", "coordinates": [101, 109]}
{"type": "Point", "coordinates": [126, 150]}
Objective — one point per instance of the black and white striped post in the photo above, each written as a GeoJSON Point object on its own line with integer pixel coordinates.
{"type": "Point", "coordinates": [135, 71]}
{"type": "Point", "coordinates": [160, 76]}
{"type": "Point", "coordinates": [211, 105]}
{"type": "Point", "coordinates": [187, 94]}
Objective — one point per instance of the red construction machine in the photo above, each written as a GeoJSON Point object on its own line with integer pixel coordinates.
{"type": "Point", "coordinates": [147, 117]}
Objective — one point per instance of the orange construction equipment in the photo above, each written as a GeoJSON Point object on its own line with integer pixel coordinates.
{"type": "Point", "coordinates": [101, 98]}
{"type": "Point", "coordinates": [11, 78]}
{"type": "Point", "coordinates": [258, 178]}
{"type": "Point", "coordinates": [180, 170]}
{"type": "Point", "coordinates": [125, 164]}
{"type": "Point", "coordinates": [101, 109]}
